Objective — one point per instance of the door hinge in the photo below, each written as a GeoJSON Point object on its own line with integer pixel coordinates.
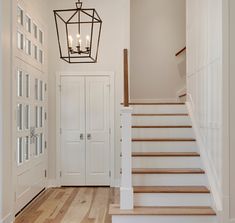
{"type": "Point", "coordinates": [45, 87]}
{"type": "Point", "coordinates": [60, 87]}
{"type": "Point", "coordinates": [45, 173]}
{"type": "Point", "coordinates": [60, 173]}
{"type": "Point", "coordinates": [45, 145]}
{"type": "Point", "coordinates": [45, 116]}
{"type": "Point", "coordinates": [60, 131]}
{"type": "Point", "coordinates": [110, 173]}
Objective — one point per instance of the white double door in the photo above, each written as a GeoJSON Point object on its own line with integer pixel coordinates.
{"type": "Point", "coordinates": [85, 128]}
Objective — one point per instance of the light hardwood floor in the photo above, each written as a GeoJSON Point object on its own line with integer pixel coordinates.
{"type": "Point", "coordinates": [70, 205]}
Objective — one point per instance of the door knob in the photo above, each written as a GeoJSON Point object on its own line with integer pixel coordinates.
{"type": "Point", "coordinates": [81, 136]}
{"type": "Point", "coordinates": [89, 136]}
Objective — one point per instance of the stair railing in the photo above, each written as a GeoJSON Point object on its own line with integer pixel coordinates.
{"type": "Point", "coordinates": [126, 189]}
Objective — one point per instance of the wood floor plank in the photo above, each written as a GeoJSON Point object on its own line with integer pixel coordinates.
{"type": "Point", "coordinates": [70, 205]}
{"type": "Point", "coordinates": [80, 206]}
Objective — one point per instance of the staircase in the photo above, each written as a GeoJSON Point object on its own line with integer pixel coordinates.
{"type": "Point", "coordinates": [168, 178]}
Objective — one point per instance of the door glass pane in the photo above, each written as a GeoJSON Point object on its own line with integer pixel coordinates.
{"type": "Point", "coordinates": [35, 31]}
{"type": "Point", "coordinates": [20, 41]}
{"type": "Point", "coordinates": [19, 83]}
{"type": "Point", "coordinates": [36, 89]}
{"type": "Point", "coordinates": [26, 148]}
{"type": "Point", "coordinates": [27, 117]}
{"type": "Point", "coordinates": [19, 117]}
{"type": "Point", "coordinates": [35, 52]}
{"type": "Point", "coordinates": [27, 87]}
{"type": "Point", "coordinates": [20, 15]}
{"type": "Point", "coordinates": [40, 56]}
{"type": "Point", "coordinates": [28, 47]}
{"type": "Point", "coordinates": [41, 144]}
{"type": "Point", "coordinates": [40, 36]}
{"type": "Point", "coordinates": [19, 151]}
{"type": "Point", "coordinates": [41, 90]}
{"type": "Point", "coordinates": [36, 116]}
{"type": "Point", "coordinates": [41, 117]}
{"type": "Point", "coordinates": [36, 145]}
{"type": "Point", "coordinates": [28, 23]}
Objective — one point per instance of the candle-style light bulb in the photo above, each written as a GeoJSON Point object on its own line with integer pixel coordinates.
{"type": "Point", "coordinates": [88, 39]}
{"type": "Point", "coordinates": [70, 41]}
{"type": "Point", "coordinates": [80, 42]}
{"type": "Point", "coordinates": [78, 38]}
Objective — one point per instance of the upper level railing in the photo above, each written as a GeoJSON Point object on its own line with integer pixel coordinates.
{"type": "Point", "coordinates": [181, 51]}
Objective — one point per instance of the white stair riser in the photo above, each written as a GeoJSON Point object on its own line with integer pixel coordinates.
{"type": "Point", "coordinates": [159, 109]}
{"type": "Point", "coordinates": [161, 120]}
{"type": "Point", "coordinates": [169, 180]}
{"type": "Point", "coordinates": [164, 146]}
{"type": "Point", "coordinates": [163, 133]}
{"type": "Point", "coordinates": [166, 162]}
{"type": "Point", "coordinates": [162, 219]}
{"type": "Point", "coordinates": [182, 199]}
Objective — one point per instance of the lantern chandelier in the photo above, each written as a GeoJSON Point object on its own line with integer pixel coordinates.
{"type": "Point", "coordinates": [78, 32]}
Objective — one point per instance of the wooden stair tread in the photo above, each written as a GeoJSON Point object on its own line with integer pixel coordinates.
{"type": "Point", "coordinates": [160, 114]}
{"type": "Point", "coordinates": [163, 140]}
{"type": "Point", "coordinates": [161, 126]}
{"type": "Point", "coordinates": [156, 103]}
{"type": "Point", "coordinates": [167, 171]}
{"type": "Point", "coordinates": [163, 211]}
{"type": "Point", "coordinates": [165, 154]}
{"type": "Point", "coordinates": [172, 189]}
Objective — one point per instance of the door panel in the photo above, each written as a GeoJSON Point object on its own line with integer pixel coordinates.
{"type": "Point", "coordinates": [73, 130]}
{"type": "Point", "coordinates": [97, 131]}
{"type": "Point", "coordinates": [30, 138]}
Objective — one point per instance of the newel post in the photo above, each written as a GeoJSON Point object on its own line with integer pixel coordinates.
{"type": "Point", "coordinates": [126, 191]}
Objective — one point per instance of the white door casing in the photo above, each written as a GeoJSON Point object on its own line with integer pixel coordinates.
{"type": "Point", "coordinates": [84, 103]}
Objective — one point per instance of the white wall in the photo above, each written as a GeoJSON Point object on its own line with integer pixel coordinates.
{"type": "Point", "coordinates": [1, 126]}
{"type": "Point", "coordinates": [232, 110]}
{"type": "Point", "coordinates": [6, 166]}
{"type": "Point", "coordinates": [114, 38]}
{"type": "Point", "coordinates": [204, 79]}
{"type": "Point", "coordinates": [158, 32]}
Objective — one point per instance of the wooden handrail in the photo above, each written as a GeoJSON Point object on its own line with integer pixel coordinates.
{"type": "Point", "coordinates": [181, 51]}
{"type": "Point", "coordinates": [126, 79]}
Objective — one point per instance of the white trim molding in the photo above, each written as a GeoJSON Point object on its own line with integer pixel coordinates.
{"type": "Point", "coordinates": [208, 164]}
{"type": "Point", "coordinates": [8, 219]}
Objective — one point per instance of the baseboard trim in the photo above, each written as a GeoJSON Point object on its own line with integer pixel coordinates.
{"type": "Point", "coordinates": [7, 219]}
{"type": "Point", "coordinates": [52, 183]}
{"type": "Point", "coordinates": [214, 187]}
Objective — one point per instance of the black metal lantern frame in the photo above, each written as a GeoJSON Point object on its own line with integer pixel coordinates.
{"type": "Point", "coordinates": [73, 26]}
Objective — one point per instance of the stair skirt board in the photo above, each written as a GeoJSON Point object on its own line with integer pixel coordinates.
{"type": "Point", "coordinates": [160, 109]}
{"type": "Point", "coordinates": [164, 147]}
{"type": "Point", "coordinates": [162, 219]}
{"type": "Point", "coordinates": [169, 179]}
{"type": "Point", "coordinates": [166, 162]}
{"type": "Point", "coordinates": [156, 199]}
{"type": "Point", "coordinates": [161, 120]}
{"type": "Point", "coordinates": [162, 133]}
